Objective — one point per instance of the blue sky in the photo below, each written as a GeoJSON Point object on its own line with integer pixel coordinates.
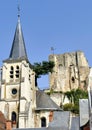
{"type": "Point", "coordinates": [65, 25]}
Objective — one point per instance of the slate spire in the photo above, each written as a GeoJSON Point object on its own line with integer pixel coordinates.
{"type": "Point", "coordinates": [18, 50]}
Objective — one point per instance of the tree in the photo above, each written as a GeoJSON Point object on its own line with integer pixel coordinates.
{"type": "Point", "coordinates": [42, 69]}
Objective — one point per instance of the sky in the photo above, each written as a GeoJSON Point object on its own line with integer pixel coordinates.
{"type": "Point", "coordinates": [65, 25]}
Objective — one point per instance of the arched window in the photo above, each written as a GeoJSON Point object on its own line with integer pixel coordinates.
{"type": "Point", "coordinates": [17, 71]}
{"type": "Point", "coordinates": [43, 122]}
{"type": "Point", "coordinates": [11, 72]}
{"type": "Point", "coordinates": [13, 117]}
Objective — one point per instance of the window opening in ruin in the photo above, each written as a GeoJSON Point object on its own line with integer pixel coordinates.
{"type": "Point", "coordinates": [13, 117]}
{"type": "Point", "coordinates": [73, 79]}
{"type": "Point", "coordinates": [17, 71]}
{"type": "Point", "coordinates": [43, 122]}
{"type": "Point", "coordinates": [29, 76]}
{"type": "Point", "coordinates": [11, 72]}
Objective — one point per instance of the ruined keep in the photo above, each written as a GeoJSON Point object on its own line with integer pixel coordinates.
{"type": "Point", "coordinates": [71, 71]}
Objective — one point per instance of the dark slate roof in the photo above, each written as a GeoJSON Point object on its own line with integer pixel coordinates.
{"type": "Point", "coordinates": [74, 123]}
{"type": "Point", "coordinates": [60, 120]}
{"type": "Point", "coordinates": [57, 128]}
{"type": "Point", "coordinates": [44, 102]}
{"type": "Point", "coordinates": [18, 49]}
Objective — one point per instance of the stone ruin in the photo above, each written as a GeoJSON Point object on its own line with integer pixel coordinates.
{"type": "Point", "coordinates": [71, 71]}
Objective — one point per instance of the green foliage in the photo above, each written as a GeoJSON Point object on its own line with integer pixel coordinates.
{"type": "Point", "coordinates": [42, 68]}
{"type": "Point", "coordinates": [74, 96]}
{"type": "Point", "coordinates": [75, 109]}
{"type": "Point", "coordinates": [68, 107]}
{"type": "Point", "coordinates": [52, 91]}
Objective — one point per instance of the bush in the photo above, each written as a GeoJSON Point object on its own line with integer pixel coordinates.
{"type": "Point", "coordinates": [68, 107]}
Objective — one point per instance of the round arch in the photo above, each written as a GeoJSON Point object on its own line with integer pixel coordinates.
{"type": "Point", "coordinates": [43, 122]}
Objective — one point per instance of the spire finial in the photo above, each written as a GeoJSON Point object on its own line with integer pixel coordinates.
{"type": "Point", "coordinates": [18, 9]}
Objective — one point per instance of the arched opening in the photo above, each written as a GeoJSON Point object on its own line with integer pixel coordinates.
{"type": "Point", "coordinates": [17, 71]}
{"type": "Point", "coordinates": [13, 118]}
{"type": "Point", "coordinates": [11, 72]}
{"type": "Point", "coordinates": [17, 67]}
{"type": "Point", "coordinates": [43, 122]}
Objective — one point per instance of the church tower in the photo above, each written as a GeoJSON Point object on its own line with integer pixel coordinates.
{"type": "Point", "coordinates": [18, 84]}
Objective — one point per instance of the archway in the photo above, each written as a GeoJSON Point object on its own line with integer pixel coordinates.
{"type": "Point", "coordinates": [43, 122]}
{"type": "Point", "coordinates": [13, 118]}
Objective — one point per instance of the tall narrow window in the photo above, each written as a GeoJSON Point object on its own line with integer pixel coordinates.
{"type": "Point", "coordinates": [43, 122]}
{"type": "Point", "coordinates": [73, 80]}
{"type": "Point", "coordinates": [13, 117]}
{"type": "Point", "coordinates": [11, 72]}
{"type": "Point", "coordinates": [17, 71]}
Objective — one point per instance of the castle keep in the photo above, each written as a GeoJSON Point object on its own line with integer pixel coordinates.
{"type": "Point", "coordinates": [71, 71]}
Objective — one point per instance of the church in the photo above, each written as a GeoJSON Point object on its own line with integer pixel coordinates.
{"type": "Point", "coordinates": [21, 101]}
{"type": "Point", "coordinates": [24, 105]}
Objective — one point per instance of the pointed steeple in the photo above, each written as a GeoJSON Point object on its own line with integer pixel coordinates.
{"type": "Point", "coordinates": [18, 50]}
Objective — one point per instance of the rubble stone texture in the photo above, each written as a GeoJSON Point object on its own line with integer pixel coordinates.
{"type": "Point", "coordinates": [71, 71]}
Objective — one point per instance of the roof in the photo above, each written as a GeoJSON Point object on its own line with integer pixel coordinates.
{"type": "Point", "coordinates": [60, 120]}
{"type": "Point", "coordinates": [49, 128]}
{"type": "Point", "coordinates": [75, 123]}
{"type": "Point", "coordinates": [84, 111]}
{"type": "Point", "coordinates": [44, 102]}
{"type": "Point", "coordinates": [43, 128]}
{"type": "Point", "coordinates": [18, 49]}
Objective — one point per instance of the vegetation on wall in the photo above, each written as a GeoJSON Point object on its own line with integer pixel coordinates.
{"type": "Point", "coordinates": [42, 69]}
{"type": "Point", "coordinates": [74, 96]}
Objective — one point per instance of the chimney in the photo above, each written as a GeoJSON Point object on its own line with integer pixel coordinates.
{"type": "Point", "coordinates": [8, 125]}
{"type": "Point", "coordinates": [51, 116]}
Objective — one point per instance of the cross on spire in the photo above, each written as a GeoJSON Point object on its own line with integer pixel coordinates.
{"type": "Point", "coordinates": [18, 9]}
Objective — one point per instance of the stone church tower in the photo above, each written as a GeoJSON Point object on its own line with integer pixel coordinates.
{"type": "Point", "coordinates": [21, 101]}
{"type": "Point", "coordinates": [18, 84]}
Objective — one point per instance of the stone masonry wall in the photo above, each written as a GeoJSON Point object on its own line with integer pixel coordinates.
{"type": "Point", "coordinates": [70, 72]}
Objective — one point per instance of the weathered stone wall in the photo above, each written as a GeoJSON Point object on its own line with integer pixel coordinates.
{"type": "Point", "coordinates": [70, 72]}
{"type": "Point", "coordinates": [42, 114]}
